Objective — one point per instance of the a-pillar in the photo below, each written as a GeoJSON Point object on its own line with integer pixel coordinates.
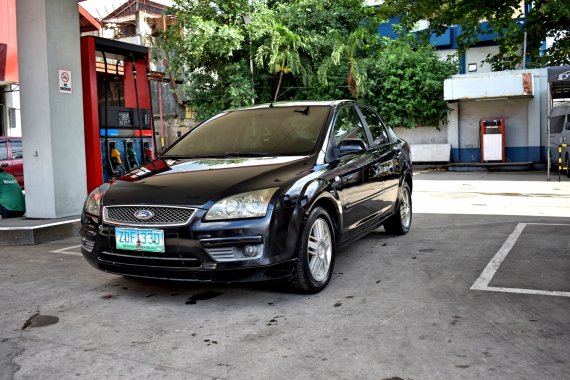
{"type": "Point", "coordinates": [52, 116]}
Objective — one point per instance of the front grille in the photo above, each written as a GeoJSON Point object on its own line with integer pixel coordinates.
{"type": "Point", "coordinates": [163, 216]}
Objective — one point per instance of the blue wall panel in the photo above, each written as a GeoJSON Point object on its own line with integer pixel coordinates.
{"type": "Point", "coordinates": [513, 154]}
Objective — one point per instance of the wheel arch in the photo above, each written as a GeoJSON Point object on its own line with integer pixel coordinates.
{"type": "Point", "coordinates": [331, 206]}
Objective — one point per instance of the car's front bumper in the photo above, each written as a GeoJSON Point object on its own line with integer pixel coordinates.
{"type": "Point", "coordinates": [203, 251]}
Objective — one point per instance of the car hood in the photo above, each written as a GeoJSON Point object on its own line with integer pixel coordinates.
{"type": "Point", "coordinates": [199, 181]}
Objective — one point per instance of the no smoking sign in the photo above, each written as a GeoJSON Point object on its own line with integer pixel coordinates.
{"type": "Point", "coordinates": [65, 81]}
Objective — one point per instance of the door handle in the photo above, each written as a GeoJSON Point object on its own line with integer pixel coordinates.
{"type": "Point", "coordinates": [4, 165]}
{"type": "Point", "coordinates": [347, 178]}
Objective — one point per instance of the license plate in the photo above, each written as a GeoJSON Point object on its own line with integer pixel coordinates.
{"type": "Point", "coordinates": [135, 239]}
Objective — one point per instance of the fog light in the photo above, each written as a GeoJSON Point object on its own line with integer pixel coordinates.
{"type": "Point", "coordinates": [249, 250]}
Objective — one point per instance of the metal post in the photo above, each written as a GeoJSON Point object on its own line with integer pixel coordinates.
{"type": "Point", "coordinates": [524, 53]}
{"type": "Point", "coordinates": [548, 158]}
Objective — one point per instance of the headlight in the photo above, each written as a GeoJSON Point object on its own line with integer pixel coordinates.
{"type": "Point", "coordinates": [246, 205]}
{"type": "Point", "coordinates": [93, 202]}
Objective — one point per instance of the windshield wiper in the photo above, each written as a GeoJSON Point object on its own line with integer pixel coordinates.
{"type": "Point", "coordinates": [173, 156]}
{"type": "Point", "coordinates": [233, 154]}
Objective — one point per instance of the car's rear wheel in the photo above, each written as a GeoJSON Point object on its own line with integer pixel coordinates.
{"type": "Point", "coordinates": [315, 262]}
{"type": "Point", "coordinates": [401, 221]}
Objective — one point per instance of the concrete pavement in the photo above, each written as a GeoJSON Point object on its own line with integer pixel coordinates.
{"type": "Point", "coordinates": [396, 308]}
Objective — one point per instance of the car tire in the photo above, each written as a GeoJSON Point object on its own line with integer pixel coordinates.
{"type": "Point", "coordinates": [401, 221]}
{"type": "Point", "coordinates": [315, 254]}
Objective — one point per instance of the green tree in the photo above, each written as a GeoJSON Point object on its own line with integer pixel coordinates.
{"type": "Point", "coordinates": [303, 49]}
{"type": "Point", "coordinates": [280, 51]}
{"type": "Point", "coordinates": [545, 19]}
{"type": "Point", "coordinates": [207, 47]}
{"type": "Point", "coordinates": [406, 83]}
{"type": "Point", "coordinates": [348, 50]}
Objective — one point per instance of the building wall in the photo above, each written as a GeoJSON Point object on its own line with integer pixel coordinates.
{"type": "Point", "coordinates": [423, 135]}
{"type": "Point", "coordinates": [476, 55]}
{"type": "Point", "coordinates": [514, 111]}
{"type": "Point", "coordinates": [473, 97]}
{"type": "Point", "coordinates": [493, 95]}
{"type": "Point", "coordinates": [445, 53]}
{"type": "Point", "coordinates": [11, 113]}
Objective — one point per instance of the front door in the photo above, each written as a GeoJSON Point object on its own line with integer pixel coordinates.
{"type": "Point", "coordinates": [357, 180]}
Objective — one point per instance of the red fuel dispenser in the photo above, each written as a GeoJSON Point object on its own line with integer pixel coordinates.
{"type": "Point", "coordinates": [492, 139]}
{"type": "Point", "coordinates": [119, 133]}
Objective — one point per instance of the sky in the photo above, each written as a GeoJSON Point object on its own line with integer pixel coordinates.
{"type": "Point", "coordinates": [101, 8]}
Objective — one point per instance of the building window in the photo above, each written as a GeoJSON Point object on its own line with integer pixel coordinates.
{"type": "Point", "coordinates": [12, 117]}
{"type": "Point", "coordinates": [472, 67]}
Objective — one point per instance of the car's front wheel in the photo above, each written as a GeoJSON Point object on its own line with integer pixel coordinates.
{"type": "Point", "coordinates": [315, 259]}
{"type": "Point", "coordinates": [401, 221]}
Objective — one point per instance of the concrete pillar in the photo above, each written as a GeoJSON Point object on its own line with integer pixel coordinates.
{"type": "Point", "coordinates": [52, 121]}
{"type": "Point", "coordinates": [533, 117]}
{"type": "Point", "coordinates": [538, 115]}
{"type": "Point", "coordinates": [453, 130]}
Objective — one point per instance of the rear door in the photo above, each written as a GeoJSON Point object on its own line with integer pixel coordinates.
{"type": "Point", "coordinates": [17, 156]}
{"type": "Point", "coordinates": [386, 159]}
{"type": "Point", "coordinates": [10, 148]}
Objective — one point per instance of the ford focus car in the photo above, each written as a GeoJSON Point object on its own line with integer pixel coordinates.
{"type": "Point", "coordinates": [260, 193]}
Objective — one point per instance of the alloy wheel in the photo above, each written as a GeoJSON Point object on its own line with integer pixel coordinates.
{"type": "Point", "coordinates": [405, 208]}
{"type": "Point", "coordinates": [319, 249]}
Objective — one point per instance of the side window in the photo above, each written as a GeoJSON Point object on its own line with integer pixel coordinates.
{"type": "Point", "coordinates": [556, 124]}
{"type": "Point", "coordinates": [348, 126]}
{"type": "Point", "coordinates": [16, 149]}
{"type": "Point", "coordinates": [567, 127]}
{"type": "Point", "coordinates": [3, 150]}
{"type": "Point", "coordinates": [377, 128]}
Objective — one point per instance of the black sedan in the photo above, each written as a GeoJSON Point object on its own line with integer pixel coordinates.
{"type": "Point", "coordinates": [259, 193]}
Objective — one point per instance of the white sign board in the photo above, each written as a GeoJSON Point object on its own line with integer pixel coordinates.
{"type": "Point", "coordinates": [65, 81]}
{"type": "Point", "coordinates": [493, 147]}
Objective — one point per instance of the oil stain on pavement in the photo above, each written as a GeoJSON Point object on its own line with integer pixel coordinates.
{"type": "Point", "coordinates": [39, 320]}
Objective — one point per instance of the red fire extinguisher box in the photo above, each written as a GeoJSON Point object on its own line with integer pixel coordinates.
{"type": "Point", "coordinates": [492, 139]}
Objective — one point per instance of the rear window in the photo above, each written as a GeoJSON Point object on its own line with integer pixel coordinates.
{"type": "Point", "coordinates": [16, 146]}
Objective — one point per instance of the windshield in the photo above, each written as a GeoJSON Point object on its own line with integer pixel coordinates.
{"type": "Point", "coordinates": [277, 131]}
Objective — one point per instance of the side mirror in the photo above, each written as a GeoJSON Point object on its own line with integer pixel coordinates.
{"type": "Point", "coordinates": [350, 146]}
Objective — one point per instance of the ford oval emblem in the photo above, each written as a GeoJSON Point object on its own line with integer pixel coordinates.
{"type": "Point", "coordinates": [143, 214]}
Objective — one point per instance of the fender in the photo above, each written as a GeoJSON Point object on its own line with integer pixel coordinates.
{"type": "Point", "coordinates": [312, 192]}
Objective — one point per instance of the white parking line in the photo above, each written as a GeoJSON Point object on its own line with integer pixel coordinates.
{"type": "Point", "coordinates": [67, 250]}
{"type": "Point", "coordinates": [482, 283]}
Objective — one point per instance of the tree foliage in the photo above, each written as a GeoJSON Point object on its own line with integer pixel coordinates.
{"type": "Point", "coordinates": [300, 49]}
{"type": "Point", "coordinates": [407, 83]}
{"type": "Point", "coordinates": [545, 19]}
